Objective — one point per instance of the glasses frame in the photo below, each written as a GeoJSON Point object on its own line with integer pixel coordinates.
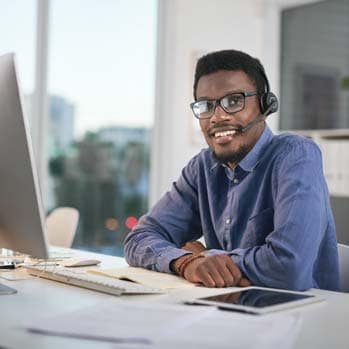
{"type": "Point", "coordinates": [219, 101]}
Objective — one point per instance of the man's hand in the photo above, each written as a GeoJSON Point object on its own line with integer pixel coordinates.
{"type": "Point", "coordinates": [194, 247]}
{"type": "Point", "coordinates": [213, 271]}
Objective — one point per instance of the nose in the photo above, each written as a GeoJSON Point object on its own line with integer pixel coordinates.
{"type": "Point", "coordinates": [219, 115]}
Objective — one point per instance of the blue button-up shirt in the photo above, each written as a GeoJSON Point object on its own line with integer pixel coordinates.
{"type": "Point", "coordinates": [271, 214]}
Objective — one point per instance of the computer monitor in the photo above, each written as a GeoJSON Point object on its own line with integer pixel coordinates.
{"type": "Point", "coordinates": [22, 226]}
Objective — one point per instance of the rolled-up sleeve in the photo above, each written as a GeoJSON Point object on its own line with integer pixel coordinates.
{"type": "Point", "coordinates": [174, 220]}
{"type": "Point", "coordinates": [286, 258]}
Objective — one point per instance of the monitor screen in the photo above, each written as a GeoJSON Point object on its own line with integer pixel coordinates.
{"type": "Point", "coordinates": [21, 215]}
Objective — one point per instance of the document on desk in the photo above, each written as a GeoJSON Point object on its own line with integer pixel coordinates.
{"type": "Point", "coordinates": [14, 275]}
{"type": "Point", "coordinates": [120, 322]}
{"type": "Point", "coordinates": [145, 277]}
{"type": "Point", "coordinates": [171, 325]}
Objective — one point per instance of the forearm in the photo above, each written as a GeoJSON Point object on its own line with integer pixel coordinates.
{"type": "Point", "coordinates": [150, 250]}
{"type": "Point", "coordinates": [173, 221]}
{"type": "Point", "coordinates": [263, 267]}
{"type": "Point", "coordinates": [210, 271]}
{"type": "Point", "coordinates": [286, 257]}
{"type": "Point", "coordinates": [285, 260]}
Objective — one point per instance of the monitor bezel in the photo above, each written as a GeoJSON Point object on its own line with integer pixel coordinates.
{"type": "Point", "coordinates": [22, 224]}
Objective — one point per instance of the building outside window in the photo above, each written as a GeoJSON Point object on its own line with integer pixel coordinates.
{"type": "Point", "coordinates": [100, 101]}
{"type": "Point", "coordinates": [101, 93]}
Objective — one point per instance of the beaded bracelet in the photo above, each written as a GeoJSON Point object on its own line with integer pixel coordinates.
{"type": "Point", "coordinates": [182, 266]}
{"type": "Point", "coordinates": [176, 264]}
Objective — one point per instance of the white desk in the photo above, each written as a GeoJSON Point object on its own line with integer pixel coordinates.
{"type": "Point", "coordinates": [324, 325]}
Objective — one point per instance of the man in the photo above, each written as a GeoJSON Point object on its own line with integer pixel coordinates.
{"type": "Point", "coordinates": [259, 200]}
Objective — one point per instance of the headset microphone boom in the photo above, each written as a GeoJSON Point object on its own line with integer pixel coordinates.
{"type": "Point", "coordinates": [272, 108]}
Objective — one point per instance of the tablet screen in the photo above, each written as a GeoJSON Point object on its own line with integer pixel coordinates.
{"type": "Point", "coordinates": [258, 298]}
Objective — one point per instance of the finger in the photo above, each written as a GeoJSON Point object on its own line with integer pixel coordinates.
{"type": "Point", "coordinates": [208, 274]}
{"type": "Point", "coordinates": [244, 282]}
{"type": "Point", "coordinates": [199, 247]}
{"type": "Point", "coordinates": [214, 267]}
{"type": "Point", "coordinates": [227, 276]}
{"type": "Point", "coordinates": [235, 271]}
{"type": "Point", "coordinates": [205, 277]}
{"type": "Point", "coordinates": [197, 272]}
{"type": "Point", "coordinates": [194, 246]}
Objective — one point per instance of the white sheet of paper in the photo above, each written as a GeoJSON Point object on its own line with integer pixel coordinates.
{"type": "Point", "coordinates": [13, 275]}
{"type": "Point", "coordinates": [171, 326]}
{"type": "Point", "coordinates": [120, 322]}
{"type": "Point", "coordinates": [145, 277]}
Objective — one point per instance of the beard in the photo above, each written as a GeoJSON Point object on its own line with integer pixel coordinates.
{"type": "Point", "coordinates": [233, 156]}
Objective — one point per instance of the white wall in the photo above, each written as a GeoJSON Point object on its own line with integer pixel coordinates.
{"type": "Point", "coordinates": [186, 28]}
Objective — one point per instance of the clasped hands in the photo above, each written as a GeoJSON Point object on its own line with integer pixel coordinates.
{"type": "Point", "coordinates": [211, 271]}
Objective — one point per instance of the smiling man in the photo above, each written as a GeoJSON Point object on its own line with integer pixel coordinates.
{"type": "Point", "coordinates": [259, 200]}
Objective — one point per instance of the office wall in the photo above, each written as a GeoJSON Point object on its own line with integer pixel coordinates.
{"type": "Point", "coordinates": [317, 43]}
{"type": "Point", "coordinates": [188, 29]}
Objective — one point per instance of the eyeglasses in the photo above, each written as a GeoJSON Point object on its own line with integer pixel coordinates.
{"type": "Point", "coordinates": [230, 103]}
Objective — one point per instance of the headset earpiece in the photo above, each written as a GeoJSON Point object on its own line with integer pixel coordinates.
{"type": "Point", "coordinates": [269, 103]}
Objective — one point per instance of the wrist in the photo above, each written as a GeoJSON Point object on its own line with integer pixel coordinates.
{"type": "Point", "coordinates": [182, 263]}
{"type": "Point", "coordinates": [176, 263]}
{"type": "Point", "coordinates": [194, 247]}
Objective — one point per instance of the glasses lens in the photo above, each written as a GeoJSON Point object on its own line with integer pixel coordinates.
{"type": "Point", "coordinates": [203, 109]}
{"type": "Point", "coordinates": [233, 103]}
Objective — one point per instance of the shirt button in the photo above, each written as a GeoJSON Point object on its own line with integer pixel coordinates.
{"type": "Point", "coordinates": [236, 181]}
{"type": "Point", "coordinates": [227, 221]}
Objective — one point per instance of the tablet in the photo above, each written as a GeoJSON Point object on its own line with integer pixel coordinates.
{"type": "Point", "coordinates": [259, 300]}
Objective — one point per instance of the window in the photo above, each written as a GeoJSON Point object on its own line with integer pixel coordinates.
{"type": "Point", "coordinates": [18, 34]}
{"type": "Point", "coordinates": [101, 93]}
{"type": "Point", "coordinates": [314, 66]}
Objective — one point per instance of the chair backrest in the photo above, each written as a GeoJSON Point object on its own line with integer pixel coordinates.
{"type": "Point", "coordinates": [343, 254]}
{"type": "Point", "coordinates": [61, 226]}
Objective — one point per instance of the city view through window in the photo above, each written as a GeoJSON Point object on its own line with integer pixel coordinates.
{"type": "Point", "coordinates": [104, 174]}
{"type": "Point", "coordinates": [101, 95]}
{"type": "Point", "coordinates": [101, 85]}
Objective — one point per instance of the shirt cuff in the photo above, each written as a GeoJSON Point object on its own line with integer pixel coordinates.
{"type": "Point", "coordinates": [236, 256]}
{"type": "Point", "coordinates": [167, 256]}
{"type": "Point", "coordinates": [213, 252]}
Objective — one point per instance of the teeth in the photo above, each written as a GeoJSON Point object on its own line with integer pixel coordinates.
{"type": "Point", "coordinates": [225, 133]}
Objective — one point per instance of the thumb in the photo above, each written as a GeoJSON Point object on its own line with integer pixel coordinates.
{"type": "Point", "coordinates": [244, 282]}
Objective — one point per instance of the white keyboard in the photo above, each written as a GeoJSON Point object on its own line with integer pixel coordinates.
{"type": "Point", "coordinates": [93, 282]}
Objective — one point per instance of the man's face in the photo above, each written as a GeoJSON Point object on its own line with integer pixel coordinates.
{"type": "Point", "coordinates": [229, 147]}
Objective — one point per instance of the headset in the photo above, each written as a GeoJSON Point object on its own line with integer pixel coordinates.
{"type": "Point", "coordinates": [268, 101]}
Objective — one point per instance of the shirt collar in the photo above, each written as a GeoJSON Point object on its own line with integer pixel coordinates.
{"type": "Point", "coordinates": [250, 161]}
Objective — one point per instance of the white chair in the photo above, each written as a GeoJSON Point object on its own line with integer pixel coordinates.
{"type": "Point", "coordinates": [343, 253]}
{"type": "Point", "coordinates": [61, 226]}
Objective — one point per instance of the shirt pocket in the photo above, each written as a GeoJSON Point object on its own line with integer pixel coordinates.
{"type": "Point", "coordinates": [257, 228]}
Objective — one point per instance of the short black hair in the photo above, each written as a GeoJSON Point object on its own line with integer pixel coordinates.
{"type": "Point", "coordinates": [232, 60]}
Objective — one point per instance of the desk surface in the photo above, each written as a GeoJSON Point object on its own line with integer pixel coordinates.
{"type": "Point", "coordinates": [323, 325]}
